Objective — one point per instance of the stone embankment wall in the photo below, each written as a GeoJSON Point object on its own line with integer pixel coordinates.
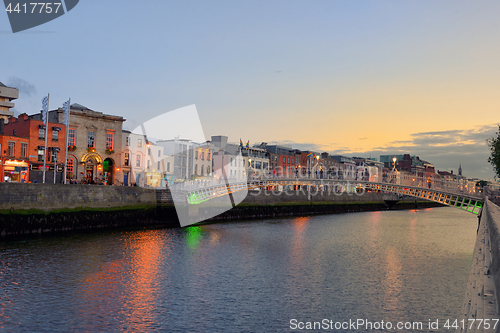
{"type": "Point", "coordinates": [37, 208]}
{"type": "Point", "coordinates": [269, 204]}
{"type": "Point", "coordinates": [483, 286]}
{"type": "Point", "coordinates": [48, 197]}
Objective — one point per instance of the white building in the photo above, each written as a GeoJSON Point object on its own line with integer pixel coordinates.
{"type": "Point", "coordinates": [144, 162]}
{"type": "Point", "coordinates": [227, 158]}
{"type": "Point", "coordinates": [190, 159]}
{"type": "Point", "coordinates": [257, 162]}
{"type": "Point", "coordinates": [134, 156]}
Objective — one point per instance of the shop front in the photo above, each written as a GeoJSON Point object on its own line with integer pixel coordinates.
{"type": "Point", "coordinates": [15, 171]}
{"type": "Point", "coordinates": [153, 179]}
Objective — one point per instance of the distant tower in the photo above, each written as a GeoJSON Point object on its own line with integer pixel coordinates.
{"type": "Point", "coordinates": [460, 170]}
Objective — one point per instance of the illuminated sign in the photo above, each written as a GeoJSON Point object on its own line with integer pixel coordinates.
{"type": "Point", "coordinates": [16, 163]}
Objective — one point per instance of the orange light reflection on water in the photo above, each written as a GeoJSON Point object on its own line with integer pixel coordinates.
{"type": "Point", "coordinates": [137, 274]}
{"type": "Point", "coordinates": [392, 284]}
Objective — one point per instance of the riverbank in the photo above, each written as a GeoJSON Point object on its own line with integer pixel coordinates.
{"type": "Point", "coordinates": [33, 209]}
{"type": "Point", "coordinates": [252, 211]}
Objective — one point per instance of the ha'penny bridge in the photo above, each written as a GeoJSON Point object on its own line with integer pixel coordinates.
{"type": "Point", "coordinates": [446, 194]}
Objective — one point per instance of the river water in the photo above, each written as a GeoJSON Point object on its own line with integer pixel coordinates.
{"type": "Point", "coordinates": [249, 276]}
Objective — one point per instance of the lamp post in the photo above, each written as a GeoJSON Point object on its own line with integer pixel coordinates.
{"type": "Point", "coordinates": [316, 166]}
{"type": "Point", "coordinates": [394, 159]}
{"type": "Point", "coordinates": [249, 166]}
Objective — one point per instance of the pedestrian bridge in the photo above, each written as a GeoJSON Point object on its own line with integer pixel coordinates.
{"type": "Point", "coordinates": [445, 193]}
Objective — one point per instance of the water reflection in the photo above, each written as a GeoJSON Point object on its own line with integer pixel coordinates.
{"type": "Point", "coordinates": [193, 236]}
{"type": "Point", "coordinates": [243, 276]}
{"type": "Point", "coordinates": [125, 289]}
{"type": "Point", "coordinates": [392, 284]}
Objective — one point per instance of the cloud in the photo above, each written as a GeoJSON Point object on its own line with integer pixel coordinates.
{"type": "Point", "coordinates": [308, 146]}
{"type": "Point", "coordinates": [24, 86]}
{"type": "Point", "coordinates": [445, 149]}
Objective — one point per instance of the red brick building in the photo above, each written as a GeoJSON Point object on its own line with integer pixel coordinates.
{"type": "Point", "coordinates": [14, 163]}
{"type": "Point", "coordinates": [34, 132]}
{"type": "Point", "coordinates": [312, 164]}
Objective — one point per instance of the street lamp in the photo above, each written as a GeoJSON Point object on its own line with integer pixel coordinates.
{"type": "Point", "coordinates": [316, 166]}
{"type": "Point", "coordinates": [394, 159]}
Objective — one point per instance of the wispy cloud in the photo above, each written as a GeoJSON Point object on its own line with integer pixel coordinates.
{"type": "Point", "coordinates": [24, 86]}
{"type": "Point", "coordinates": [445, 149]}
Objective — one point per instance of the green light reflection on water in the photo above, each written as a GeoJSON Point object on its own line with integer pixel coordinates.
{"type": "Point", "coordinates": [193, 237]}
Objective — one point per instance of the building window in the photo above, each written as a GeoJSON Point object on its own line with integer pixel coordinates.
{"type": "Point", "coordinates": [139, 142]}
{"type": "Point", "coordinates": [127, 159]}
{"type": "Point", "coordinates": [24, 150]}
{"type": "Point", "coordinates": [69, 166]}
{"type": "Point", "coordinates": [208, 170]}
{"type": "Point", "coordinates": [284, 160]}
{"type": "Point", "coordinates": [158, 168]}
{"type": "Point", "coordinates": [168, 166]}
{"type": "Point", "coordinates": [72, 137]}
{"type": "Point", "coordinates": [148, 163]}
{"type": "Point", "coordinates": [196, 169]}
{"type": "Point", "coordinates": [91, 140]}
{"type": "Point", "coordinates": [54, 155]}
{"type": "Point", "coordinates": [40, 155]}
{"type": "Point", "coordinates": [127, 141]}
{"type": "Point", "coordinates": [41, 133]}
{"type": "Point", "coordinates": [202, 170]}
{"type": "Point", "coordinates": [208, 158]}
{"type": "Point", "coordinates": [138, 161]}
{"type": "Point", "coordinates": [202, 157]}
{"type": "Point", "coordinates": [149, 151]}
{"type": "Point", "coordinates": [15, 132]}
{"type": "Point", "coordinates": [110, 138]}
{"type": "Point", "coordinates": [159, 153]}
{"type": "Point", "coordinates": [12, 146]}
{"type": "Point", "coordinates": [196, 154]}
{"type": "Point", "coordinates": [231, 162]}
{"type": "Point", "coordinates": [55, 135]}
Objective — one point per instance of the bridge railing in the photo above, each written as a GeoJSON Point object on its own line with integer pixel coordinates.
{"type": "Point", "coordinates": [338, 182]}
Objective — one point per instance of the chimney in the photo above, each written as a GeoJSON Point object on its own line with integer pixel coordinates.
{"type": "Point", "coordinates": [451, 171]}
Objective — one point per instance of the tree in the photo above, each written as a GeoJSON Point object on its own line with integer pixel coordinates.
{"type": "Point", "coordinates": [494, 158]}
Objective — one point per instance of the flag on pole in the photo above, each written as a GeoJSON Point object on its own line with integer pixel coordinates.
{"type": "Point", "coordinates": [66, 113]}
{"type": "Point", "coordinates": [248, 144]}
{"type": "Point", "coordinates": [45, 103]}
{"type": "Point", "coordinates": [310, 155]}
{"type": "Point", "coordinates": [241, 143]}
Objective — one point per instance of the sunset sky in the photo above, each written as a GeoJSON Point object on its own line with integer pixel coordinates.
{"type": "Point", "coordinates": [352, 77]}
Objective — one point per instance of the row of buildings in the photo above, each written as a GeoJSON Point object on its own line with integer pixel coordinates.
{"type": "Point", "coordinates": [95, 149]}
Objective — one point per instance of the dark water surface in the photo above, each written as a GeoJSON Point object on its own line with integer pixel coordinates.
{"type": "Point", "coordinates": [242, 277]}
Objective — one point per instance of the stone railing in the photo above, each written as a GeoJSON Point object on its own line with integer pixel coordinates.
{"type": "Point", "coordinates": [483, 286]}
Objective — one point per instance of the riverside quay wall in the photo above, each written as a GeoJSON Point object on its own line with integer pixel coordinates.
{"type": "Point", "coordinates": [483, 286]}
{"type": "Point", "coordinates": [38, 208]}
{"type": "Point", "coordinates": [269, 204]}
